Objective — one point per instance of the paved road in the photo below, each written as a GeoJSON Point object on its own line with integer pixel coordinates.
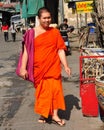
{"type": "Point", "coordinates": [17, 96]}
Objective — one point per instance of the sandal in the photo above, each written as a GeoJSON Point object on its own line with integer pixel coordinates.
{"type": "Point", "coordinates": [60, 123]}
{"type": "Point", "coordinates": [42, 119]}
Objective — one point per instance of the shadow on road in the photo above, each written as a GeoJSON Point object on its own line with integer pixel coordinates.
{"type": "Point", "coordinates": [70, 101]}
{"type": "Point", "coordinates": [15, 41]}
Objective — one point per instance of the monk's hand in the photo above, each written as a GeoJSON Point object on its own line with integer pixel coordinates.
{"type": "Point", "coordinates": [68, 70]}
{"type": "Point", "coordinates": [23, 73]}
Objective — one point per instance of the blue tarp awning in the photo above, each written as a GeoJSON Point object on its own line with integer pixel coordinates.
{"type": "Point", "coordinates": [30, 7]}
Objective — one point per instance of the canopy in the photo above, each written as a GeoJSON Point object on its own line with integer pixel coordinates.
{"type": "Point", "coordinates": [30, 7]}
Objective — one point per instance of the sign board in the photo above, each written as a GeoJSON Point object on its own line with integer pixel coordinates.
{"type": "Point", "coordinates": [84, 6]}
{"type": "Point", "coordinates": [67, 1]}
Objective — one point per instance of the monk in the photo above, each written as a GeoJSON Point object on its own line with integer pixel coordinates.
{"type": "Point", "coordinates": [49, 56]}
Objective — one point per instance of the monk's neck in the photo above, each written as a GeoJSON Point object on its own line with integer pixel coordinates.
{"type": "Point", "coordinates": [43, 28]}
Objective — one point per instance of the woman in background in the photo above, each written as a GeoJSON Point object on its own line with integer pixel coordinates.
{"type": "Point", "coordinates": [13, 31]}
{"type": "Point", "coordinates": [5, 29]}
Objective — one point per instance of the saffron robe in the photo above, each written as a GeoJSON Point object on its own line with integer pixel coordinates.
{"type": "Point", "coordinates": [47, 72]}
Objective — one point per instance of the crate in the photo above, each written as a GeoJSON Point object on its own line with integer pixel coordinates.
{"type": "Point", "coordinates": [90, 67]}
{"type": "Point", "coordinates": [89, 100]}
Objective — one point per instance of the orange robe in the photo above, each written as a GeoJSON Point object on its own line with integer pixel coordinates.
{"type": "Point", "coordinates": [47, 72]}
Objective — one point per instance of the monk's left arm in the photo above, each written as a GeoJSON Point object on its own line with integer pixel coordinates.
{"type": "Point", "coordinates": [63, 60]}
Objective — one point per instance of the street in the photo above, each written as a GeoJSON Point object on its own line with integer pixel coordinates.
{"type": "Point", "coordinates": [17, 95]}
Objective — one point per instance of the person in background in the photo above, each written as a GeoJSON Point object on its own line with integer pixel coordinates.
{"type": "Point", "coordinates": [64, 30]}
{"type": "Point", "coordinates": [5, 29]}
{"type": "Point", "coordinates": [64, 27]}
{"type": "Point", "coordinates": [49, 56]}
{"type": "Point", "coordinates": [13, 31]}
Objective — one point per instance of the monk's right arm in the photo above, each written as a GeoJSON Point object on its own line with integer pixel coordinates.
{"type": "Point", "coordinates": [62, 57]}
{"type": "Point", "coordinates": [23, 71]}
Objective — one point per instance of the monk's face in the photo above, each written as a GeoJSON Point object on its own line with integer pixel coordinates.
{"type": "Point", "coordinates": [45, 19]}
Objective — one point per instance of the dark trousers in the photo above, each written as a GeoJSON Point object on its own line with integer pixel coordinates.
{"type": "Point", "coordinates": [13, 36]}
{"type": "Point", "coordinates": [6, 36]}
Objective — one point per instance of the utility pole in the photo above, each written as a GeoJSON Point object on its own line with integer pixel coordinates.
{"type": "Point", "coordinates": [61, 9]}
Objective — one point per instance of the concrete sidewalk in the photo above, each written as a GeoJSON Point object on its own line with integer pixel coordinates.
{"type": "Point", "coordinates": [17, 96]}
